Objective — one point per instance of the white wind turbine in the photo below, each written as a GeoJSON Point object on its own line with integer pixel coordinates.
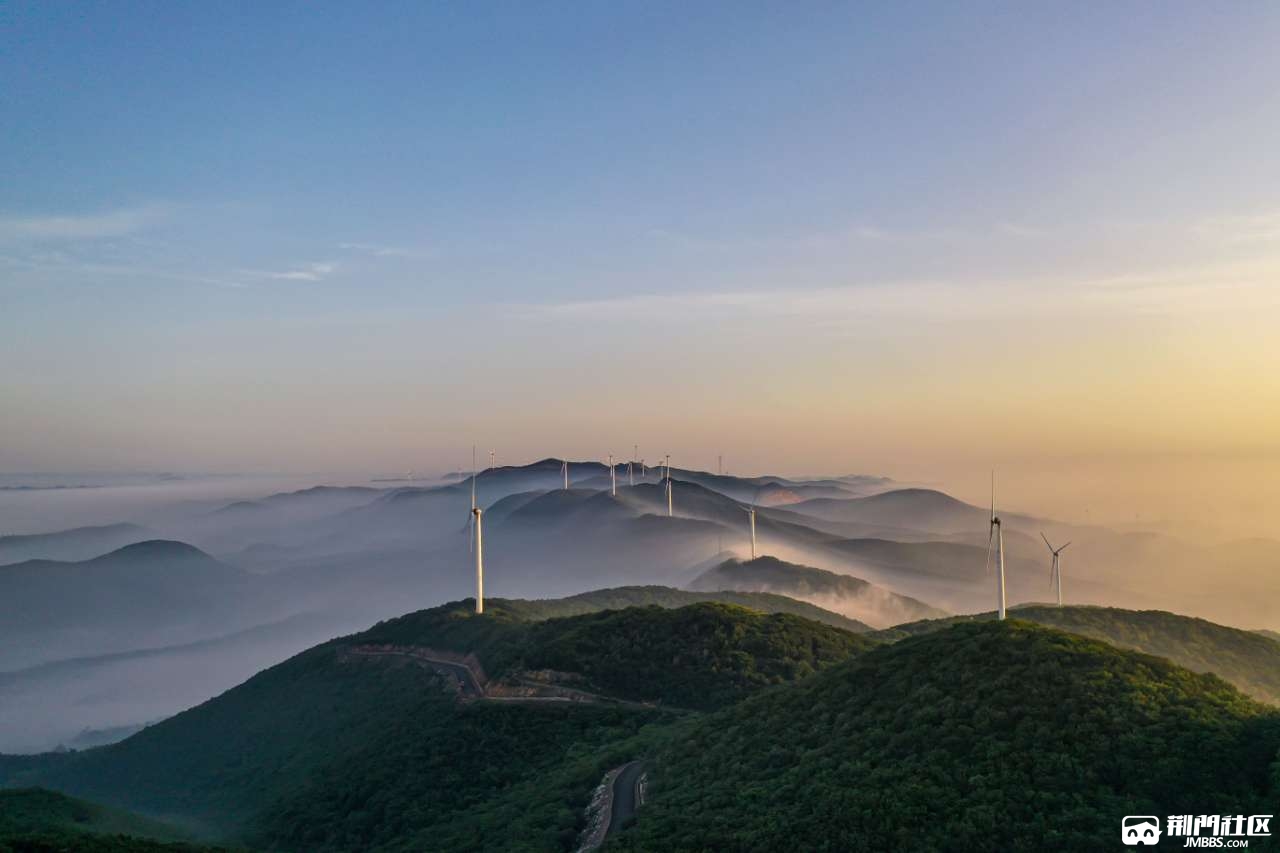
{"type": "Point", "coordinates": [613, 478]}
{"type": "Point", "coordinates": [477, 516]}
{"type": "Point", "coordinates": [751, 514]}
{"type": "Point", "coordinates": [667, 468]}
{"type": "Point", "coordinates": [564, 469]}
{"type": "Point", "coordinates": [1055, 572]}
{"type": "Point", "coordinates": [996, 536]}
{"type": "Point", "coordinates": [476, 540]}
{"type": "Point", "coordinates": [492, 454]}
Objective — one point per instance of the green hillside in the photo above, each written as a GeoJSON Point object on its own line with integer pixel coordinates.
{"type": "Point", "coordinates": [340, 749]}
{"type": "Point", "coordinates": [993, 735]}
{"type": "Point", "coordinates": [665, 596]}
{"type": "Point", "coordinates": [34, 820]}
{"type": "Point", "coordinates": [1248, 659]}
{"type": "Point", "coordinates": [700, 656]}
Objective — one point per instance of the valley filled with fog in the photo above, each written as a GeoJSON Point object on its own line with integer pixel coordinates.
{"type": "Point", "coordinates": [139, 599]}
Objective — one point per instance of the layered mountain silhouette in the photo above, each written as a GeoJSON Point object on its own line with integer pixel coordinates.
{"type": "Point", "coordinates": [79, 543]}
{"type": "Point", "coordinates": [845, 594]}
{"type": "Point", "coordinates": [141, 595]}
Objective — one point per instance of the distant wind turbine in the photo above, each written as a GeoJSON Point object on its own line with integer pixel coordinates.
{"type": "Point", "coordinates": [631, 473]}
{"type": "Point", "coordinates": [613, 478]}
{"type": "Point", "coordinates": [996, 536]}
{"type": "Point", "coordinates": [751, 514]}
{"type": "Point", "coordinates": [492, 454]}
{"type": "Point", "coordinates": [668, 469]}
{"type": "Point", "coordinates": [564, 469]}
{"type": "Point", "coordinates": [1055, 572]}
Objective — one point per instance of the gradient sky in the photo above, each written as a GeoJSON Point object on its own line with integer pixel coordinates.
{"type": "Point", "coordinates": [916, 239]}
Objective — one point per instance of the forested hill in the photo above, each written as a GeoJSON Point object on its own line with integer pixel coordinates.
{"type": "Point", "coordinates": [701, 656]}
{"type": "Point", "coordinates": [1248, 659]}
{"type": "Point", "coordinates": [361, 744]}
{"type": "Point", "coordinates": [33, 820]}
{"type": "Point", "coordinates": [986, 735]}
{"type": "Point", "coordinates": [617, 598]}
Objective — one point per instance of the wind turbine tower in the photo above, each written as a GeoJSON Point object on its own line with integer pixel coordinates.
{"type": "Point", "coordinates": [995, 536]}
{"type": "Point", "coordinates": [564, 469]}
{"type": "Point", "coordinates": [478, 515]}
{"type": "Point", "coordinates": [668, 470]}
{"type": "Point", "coordinates": [613, 478]}
{"type": "Point", "coordinates": [476, 540]}
{"type": "Point", "coordinates": [751, 515]}
{"type": "Point", "coordinates": [1055, 573]}
{"type": "Point", "coordinates": [492, 454]}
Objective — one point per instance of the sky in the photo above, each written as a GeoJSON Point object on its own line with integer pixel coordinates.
{"type": "Point", "coordinates": [916, 239]}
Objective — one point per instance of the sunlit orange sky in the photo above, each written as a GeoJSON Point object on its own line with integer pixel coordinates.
{"type": "Point", "coordinates": [919, 243]}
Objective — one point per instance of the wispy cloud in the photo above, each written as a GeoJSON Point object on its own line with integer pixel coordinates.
{"type": "Point", "coordinates": [61, 265]}
{"type": "Point", "coordinates": [114, 223]}
{"type": "Point", "coordinates": [1252, 228]}
{"type": "Point", "coordinates": [304, 272]}
{"type": "Point", "coordinates": [380, 251]}
{"type": "Point", "coordinates": [1226, 287]}
{"type": "Point", "coordinates": [833, 238]}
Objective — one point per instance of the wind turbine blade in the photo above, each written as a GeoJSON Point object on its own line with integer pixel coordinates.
{"type": "Point", "coordinates": [1046, 540]}
{"type": "Point", "coordinates": [1063, 548]}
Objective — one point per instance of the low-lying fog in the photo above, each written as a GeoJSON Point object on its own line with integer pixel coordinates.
{"type": "Point", "coordinates": [103, 628]}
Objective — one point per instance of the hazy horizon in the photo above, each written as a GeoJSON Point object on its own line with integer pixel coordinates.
{"type": "Point", "coordinates": [796, 237]}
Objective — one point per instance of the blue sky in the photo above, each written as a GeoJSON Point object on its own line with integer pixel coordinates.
{"type": "Point", "coordinates": [405, 224]}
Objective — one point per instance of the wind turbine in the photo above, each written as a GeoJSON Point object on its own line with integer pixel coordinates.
{"type": "Point", "coordinates": [751, 514]}
{"type": "Point", "coordinates": [996, 536]}
{"type": "Point", "coordinates": [1055, 573]}
{"type": "Point", "coordinates": [631, 473]}
{"type": "Point", "coordinates": [564, 469]}
{"type": "Point", "coordinates": [668, 478]}
{"type": "Point", "coordinates": [613, 478]}
{"type": "Point", "coordinates": [491, 456]}
{"type": "Point", "coordinates": [476, 540]}
{"type": "Point", "coordinates": [477, 515]}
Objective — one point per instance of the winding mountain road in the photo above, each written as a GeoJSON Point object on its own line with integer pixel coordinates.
{"type": "Point", "coordinates": [626, 795]}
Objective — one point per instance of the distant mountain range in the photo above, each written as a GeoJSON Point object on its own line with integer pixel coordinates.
{"type": "Point", "coordinates": [80, 543]}
{"type": "Point", "coordinates": [145, 594]}
{"type": "Point", "coordinates": [845, 594]}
